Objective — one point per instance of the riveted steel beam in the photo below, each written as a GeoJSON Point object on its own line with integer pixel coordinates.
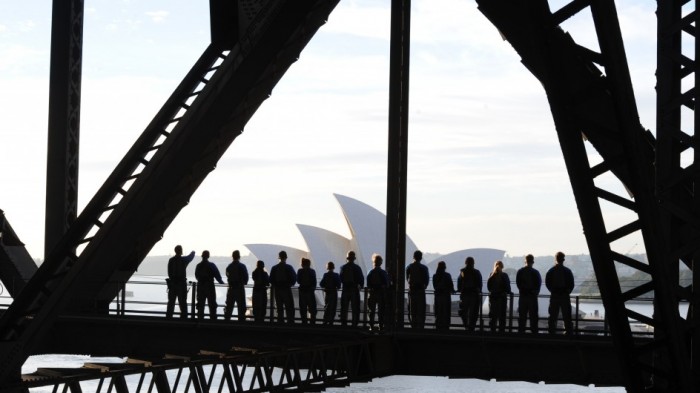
{"type": "Point", "coordinates": [64, 120]}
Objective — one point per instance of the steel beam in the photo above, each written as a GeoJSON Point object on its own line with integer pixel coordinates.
{"type": "Point", "coordinates": [396, 191]}
{"type": "Point", "coordinates": [64, 120]}
{"type": "Point", "coordinates": [16, 265]}
{"type": "Point", "coordinates": [224, 16]}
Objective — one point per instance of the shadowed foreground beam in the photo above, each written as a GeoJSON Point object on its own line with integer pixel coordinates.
{"type": "Point", "coordinates": [554, 359]}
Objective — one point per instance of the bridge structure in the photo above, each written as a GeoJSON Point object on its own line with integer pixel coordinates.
{"type": "Point", "coordinates": [273, 354]}
{"type": "Point", "coordinates": [253, 43]}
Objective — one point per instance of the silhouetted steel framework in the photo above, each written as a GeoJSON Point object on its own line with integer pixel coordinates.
{"type": "Point", "coordinates": [677, 175]}
{"type": "Point", "coordinates": [600, 108]}
{"type": "Point", "coordinates": [592, 102]}
{"type": "Point", "coordinates": [145, 192]}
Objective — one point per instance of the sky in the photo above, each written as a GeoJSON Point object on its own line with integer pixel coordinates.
{"type": "Point", "coordinates": [484, 164]}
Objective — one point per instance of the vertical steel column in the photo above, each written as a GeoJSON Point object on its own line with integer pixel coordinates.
{"type": "Point", "coordinates": [677, 179]}
{"type": "Point", "coordinates": [398, 150]}
{"type": "Point", "coordinates": [64, 120]}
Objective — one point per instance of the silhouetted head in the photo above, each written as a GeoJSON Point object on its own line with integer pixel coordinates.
{"type": "Point", "coordinates": [529, 259]}
{"type": "Point", "coordinates": [442, 266]}
{"type": "Point", "coordinates": [330, 266]}
{"type": "Point", "coordinates": [205, 254]}
{"type": "Point", "coordinates": [236, 255]}
{"type": "Point", "coordinates": [282, 255]}
{"type": "Point", "coordinates": [497, 267]}
{"type": "Point", "coordinates": [376, 260]}
{"type": "Point", "coordinates": [178, 250]}
{"type": "Point", "coordinates": [559, 257]}
{"type": "Point", "coordinates": [351, 256]}
{"type": "Point", "coordinates": [260, 265]}
{"type": "Point", "coordinates": [417, 255]}
{"type": "Point", "coordinates": [469, 262]}
{"type": "Point", "coordinates": [305, 262]}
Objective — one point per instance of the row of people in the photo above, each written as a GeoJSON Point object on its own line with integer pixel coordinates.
{"type": "Point", "coordinates": [282, 277]}
{"type": "Point", "coordinates": [206, 272]}
{"type": "Point", "coordinates": [559, 280]}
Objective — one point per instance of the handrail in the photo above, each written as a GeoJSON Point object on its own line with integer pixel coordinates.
{"type": "Point", "coordinates": [128, 303]}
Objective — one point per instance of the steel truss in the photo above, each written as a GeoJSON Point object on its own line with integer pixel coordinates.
{"type": "Point", "coordinates": [677, 176]}
{"type": "Point", "coordinates": [239, 370]}
{"type": "Point", "coordinates": [588, 105]}
{"type": "Point", "coordinates": [152, 183]}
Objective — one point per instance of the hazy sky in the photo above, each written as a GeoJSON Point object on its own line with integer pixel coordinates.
{"type": "Point", "coordinates": [485, 167]}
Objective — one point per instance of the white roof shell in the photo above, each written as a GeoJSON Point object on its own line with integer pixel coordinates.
{"type": "Point", "coordinates": [368, 236]}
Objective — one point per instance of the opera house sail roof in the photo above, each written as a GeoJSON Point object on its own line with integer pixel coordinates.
{"type": "Point", "coordinates": [368, 236]}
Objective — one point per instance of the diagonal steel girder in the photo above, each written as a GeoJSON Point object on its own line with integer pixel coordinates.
{"type": "Point", "coordinates": [601, 108]}
{"type": "Point", "coordinates": [16, 265]}
{"type": "Point", "coordinates": [153, 182]}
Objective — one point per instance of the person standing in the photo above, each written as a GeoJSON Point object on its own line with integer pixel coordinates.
{"type": "Point", "coordinates": [470, 285]}
{"type": "Point", "coordinates": [377, 283]}
{"type": "Point", "coordinates": [498, 285]}
{"type": "Point", "coordinates": [282, 279]}
{"type": "Point", "coordinates": [206, 272]}
{"type": "Point", "coordinates": [177, 282]}
{"type": "Point", "coordinates": [529, 281]}
{"type": "Point", "coordinates": [560, 282]}
{"type": "Point", "coordinates": [418, 279]}
{"type": "Point", "coordinates": [352, 279]}
{"type": "Point", "coordinates": [261, 280]}
{"type": "Point", "coordinates": [444, 288]}
{"type": "Point", "coordinates": [237, 275]}
{"type": "Point", "coordinates": [330, 284]}
{"type": "Point", "coordinates": [306, 277]}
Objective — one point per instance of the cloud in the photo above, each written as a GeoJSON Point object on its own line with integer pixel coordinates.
{"type": "Point", "coordinates": [27, 25]}
{"type": "Point", "coordinates": [158, 16]}
{"type": "Point", "coordinates": [19, 57]}
{"type": "Point", "coordinates": [484, 162]}
{"type": "Point", "coordinates": [374, 20]}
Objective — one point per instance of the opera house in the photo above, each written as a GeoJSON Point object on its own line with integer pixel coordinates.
{"type": "Point", "coordinates": [368, 230]}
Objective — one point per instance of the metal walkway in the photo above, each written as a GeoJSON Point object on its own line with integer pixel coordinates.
{"type": "Point", "coordinates": [311, 368]}
{"type": "Point", "coordinates": [311, 357]}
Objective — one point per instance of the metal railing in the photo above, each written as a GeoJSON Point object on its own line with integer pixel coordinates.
{"type": "Point", "coordinates": [587, 311]}
{"type": "Point", "coordinates": [148, 297]}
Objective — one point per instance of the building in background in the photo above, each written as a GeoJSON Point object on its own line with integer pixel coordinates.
{"type": "Point", "coordinates": [368, 230]}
